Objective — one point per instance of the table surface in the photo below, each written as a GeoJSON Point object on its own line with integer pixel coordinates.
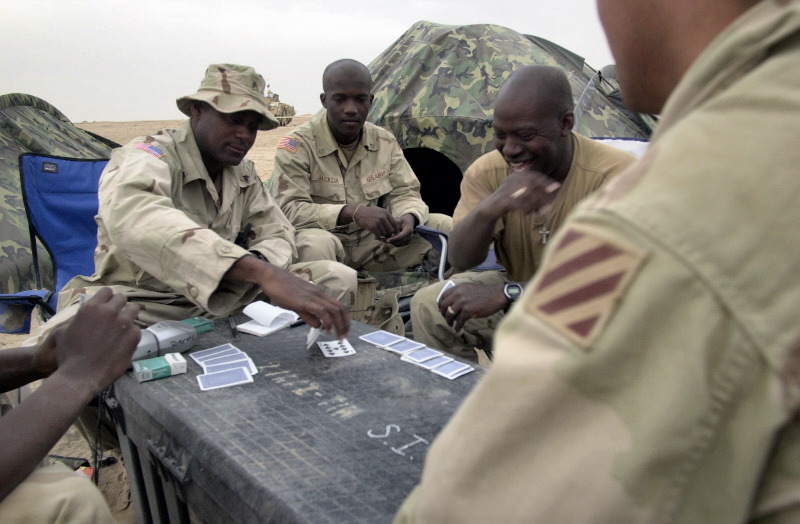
{"type": "Point", "coordinates": [313, 439]}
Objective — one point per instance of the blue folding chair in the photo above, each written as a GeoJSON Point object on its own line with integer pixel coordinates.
{"type": "Point", "coordinates": [60, 198]}
{"type": "Point", "coordinates": [438, 239]}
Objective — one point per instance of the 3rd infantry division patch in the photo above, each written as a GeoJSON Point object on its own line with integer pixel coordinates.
{"type": "Point", "coordinates": [577, 291]}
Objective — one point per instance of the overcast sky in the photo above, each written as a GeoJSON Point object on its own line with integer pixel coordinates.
{"type": "Point", "coordinates": [129, 60]}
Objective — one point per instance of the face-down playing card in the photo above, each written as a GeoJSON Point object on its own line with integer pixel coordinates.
{"type": "Point", "coordinates": [223, 379]}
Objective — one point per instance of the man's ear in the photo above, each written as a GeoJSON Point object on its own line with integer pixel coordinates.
{"type": "Point", "coordinates": [371, 99]}
{"type": "Point", "coordinates": [197, 108]}
{"type": "Point", "coordinates": [322, 100]}
{"type": "Point", "coordinates": [567, 123]}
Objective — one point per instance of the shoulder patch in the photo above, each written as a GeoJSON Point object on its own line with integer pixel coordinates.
{"type": "Point", "coordinates": [578, 289]}
{"type": "Point", "coordinates": [151, 149]}
{"type": "Point", "coordinates": [289, 144]}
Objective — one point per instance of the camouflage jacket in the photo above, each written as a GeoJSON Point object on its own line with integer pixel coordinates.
{"type": "Point", "coordinates": [313, 181]}
{"type": "Point", "coordinates": [649, 372]}
{"type": "Point", "coordinates": [164, 229]}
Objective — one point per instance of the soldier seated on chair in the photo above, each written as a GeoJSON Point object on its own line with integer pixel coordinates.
{"type": "Point", "coordinates": [514, 197]}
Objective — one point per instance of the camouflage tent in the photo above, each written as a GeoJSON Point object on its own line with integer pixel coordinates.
{"type": "Point", "coordinates": [29, 124]}
{"type": "Point", "coordinates": [435, 89]}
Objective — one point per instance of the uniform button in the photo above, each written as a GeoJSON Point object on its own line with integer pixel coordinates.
{"type": "Point", "coordinates": [226, 249]}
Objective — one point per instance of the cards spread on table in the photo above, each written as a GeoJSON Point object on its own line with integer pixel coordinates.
{"type": "Point", "coordinates": [418, 353]}
{"type": "Point", "coordinates": [223, 366]}
{"type": "Point", "coordinates": [336, 348]}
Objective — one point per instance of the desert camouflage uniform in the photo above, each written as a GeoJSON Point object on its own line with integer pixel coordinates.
{"type": "Point", "coordinates": [519, 240]}
{"type": "Point", "coordinates": [165, 236]}
{"type": "Point", "coordinates": [649, 372]}
{"type": "Point", "coordinates": [313, 181]}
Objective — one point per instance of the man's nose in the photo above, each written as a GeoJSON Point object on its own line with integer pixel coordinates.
{"type": "Point", "coordinates": [350, 107]}
{"type": "Point", "coordinates": [244, 132]}
{"type": "Point", "coordinates": [511, 148]}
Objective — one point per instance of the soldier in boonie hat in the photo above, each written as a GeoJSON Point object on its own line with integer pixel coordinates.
{"type": "Point", "coordinates": [230, 88]}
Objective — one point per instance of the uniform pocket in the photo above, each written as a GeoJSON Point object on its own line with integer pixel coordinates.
{"type": "Point", "coordinates": [378, 188]}
{"type": "Point", "coordinates": [327, 190]}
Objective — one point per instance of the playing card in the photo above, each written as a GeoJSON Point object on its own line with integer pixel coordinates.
{"type": "Point", "coordinates": [313, 335]}
{"type": "Point", "coordinates": [245, 363]}
{"type": "Point", "coordinates": [381, 338]}
{"type": "Point", "coordinates": [421, 355]}
{"type": "Point", "coordinates": [435, 362]}
{"type": "Point", "coordinates": [215, 352]}
{"type": "Point", "coordinates": [453, 369]}
{"type": "Point", "coordinates": [223, 379]}
{"type": "Point", "coordinates": [404, 346]}
{"type": "Point", "coordinates": [447, 286]}
{"type": "Point", "coordinates": [224, 359]}
{"type": "Point", "coordinates": [336, 348]}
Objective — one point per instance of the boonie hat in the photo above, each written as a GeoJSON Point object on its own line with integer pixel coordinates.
{"type": "Point", "coordinates": [230, 88]}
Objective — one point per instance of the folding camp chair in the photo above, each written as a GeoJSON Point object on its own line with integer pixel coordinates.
{"type": "Point", "coordinates": [60, 198]}
{"type": "Point", "coordinates": [438, 240]}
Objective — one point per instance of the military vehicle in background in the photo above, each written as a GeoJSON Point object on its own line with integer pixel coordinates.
{"type": "Point", "coordinates": [435, 88]}
{"type": "Point", "coordinates": [283, 112]}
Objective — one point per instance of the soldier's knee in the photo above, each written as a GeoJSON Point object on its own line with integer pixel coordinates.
{"type": "Point", "coordinates": [441, 222]}
{"type": "Point", "coordinates": [317, 244]}
{"type": "Point", "coordinates": [340, 281]}
{"type": "Point", "coordinates": [423, 303]}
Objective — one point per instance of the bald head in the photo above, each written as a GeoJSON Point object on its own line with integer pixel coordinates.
{"type": "Point", "coordinates": [354, 71]}
{"type": "Point", "coordinates": [545, 88]}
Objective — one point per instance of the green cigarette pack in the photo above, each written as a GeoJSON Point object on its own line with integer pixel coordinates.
{"type": "Point", "coordinates": [159, 367]}
{"type": "Point", "coordinates": [200, 324]}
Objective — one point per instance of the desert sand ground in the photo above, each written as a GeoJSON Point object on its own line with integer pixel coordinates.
{"type": "Point", "coordinates": [113, 482]}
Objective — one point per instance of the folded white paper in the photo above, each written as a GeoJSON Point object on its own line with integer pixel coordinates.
{"type": "Point", "coordinates": [267, 318]}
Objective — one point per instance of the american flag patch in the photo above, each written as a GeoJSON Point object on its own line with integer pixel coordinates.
{"type": "Point", "coordinates": [289, 144]}
{"type": "Point", "coordinates": [148, 148]}
{"type": "Point", "coordinates": [578, 290]}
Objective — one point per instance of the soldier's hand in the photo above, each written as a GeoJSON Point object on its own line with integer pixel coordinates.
{"type": "Point", "coordinates": [528, 191]}
{"type": "Point", "coordinates": [97, 345]}
{"type": "Point", "coordinates": [376, 220]}
{"type": "Point", "coordinates": [403, 236]}
{"type": "Point", "coordinates": [467, 300]}
{"type": "Point", "coordinates": [309, 301]}
{"type": "Point", "coordinates": [292, 292]}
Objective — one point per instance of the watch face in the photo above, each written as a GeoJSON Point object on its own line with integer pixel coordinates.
{"type": "Point", "coordinates": [513, 291]}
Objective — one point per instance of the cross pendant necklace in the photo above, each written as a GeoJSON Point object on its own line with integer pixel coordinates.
{"type": "Point", "coordinates": [544, 233]}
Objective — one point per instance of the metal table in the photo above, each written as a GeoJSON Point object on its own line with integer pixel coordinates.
{"type": "Point", "coordinates": [313, 439]}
